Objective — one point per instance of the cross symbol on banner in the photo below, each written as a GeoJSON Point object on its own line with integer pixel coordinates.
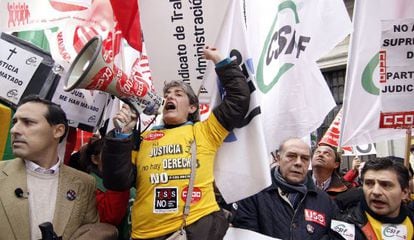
{"type": "Point", "coordinates": [12, 51]}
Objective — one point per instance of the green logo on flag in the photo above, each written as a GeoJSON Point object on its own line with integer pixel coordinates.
{"type": "Point", "coordinates": [279, 39]}
{"type": "Point", "coordinates": [367, 76]}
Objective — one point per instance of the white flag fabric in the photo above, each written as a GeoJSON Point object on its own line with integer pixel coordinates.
{"type": "Point", "coordinates": [288, 38]}
{"type": "Point", "coordinates": [244, 234]}
{"type": "Point", "coordinates": [242, 163]}
{"type": "Point", "coordinates": [362, 102]}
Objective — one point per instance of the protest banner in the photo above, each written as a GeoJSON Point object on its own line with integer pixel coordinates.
{"type": "Point", "coordinates": [366, 77]}
{"type": "Point", "coordinates": [33, 15]}
{"type": "Point", "coordinates": [17, 67]}
{"type": "Point", "coordinates": [25, 70]}
{"type": "Point", "coordinates": [68, 25]}
{"type": "Point", "coordinates": [332, 135]}
{"type": "Point", "coordinates": [397, 73]}
{"type": "Point", "coordinates": [175, 47]}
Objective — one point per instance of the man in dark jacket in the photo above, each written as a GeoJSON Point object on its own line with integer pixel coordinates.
{"type": "Point", "coordinates": [381, 213]}
{"type": "Point", "coordinates": [292, 207]}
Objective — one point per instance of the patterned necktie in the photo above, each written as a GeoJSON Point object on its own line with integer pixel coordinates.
{"type": "Point", "coordinates": [44, 171]}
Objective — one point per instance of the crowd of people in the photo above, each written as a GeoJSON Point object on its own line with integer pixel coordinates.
{"type": "Point", "coordinates": [160, 185]}
{"type": "Point", "coordinates": [321, 204]}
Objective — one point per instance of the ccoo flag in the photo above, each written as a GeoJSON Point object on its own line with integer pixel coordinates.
{"type": "Point", "coordinates": [362, 102]}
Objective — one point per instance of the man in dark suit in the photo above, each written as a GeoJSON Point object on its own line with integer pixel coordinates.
{"type": "Point", "coordinates": [292, 207]}
{"type": "Point", "coordinates": [36, 187]}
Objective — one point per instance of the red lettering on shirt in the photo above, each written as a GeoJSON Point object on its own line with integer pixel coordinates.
{"type": "Point", "coordinates": [154, 136]}
{"type": "Point", "coordinates": [196, 196]}
{"type": "Point", "coordinates": [316, 217]}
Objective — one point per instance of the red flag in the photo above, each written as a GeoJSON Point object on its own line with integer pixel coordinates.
{"type": "Point", "coordinates": [127, 14]}
{"type": "Point", "coordinates": [331, 136]}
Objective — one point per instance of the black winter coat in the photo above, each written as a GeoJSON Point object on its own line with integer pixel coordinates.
{"type": "Point", "coordinates": [269, 213]}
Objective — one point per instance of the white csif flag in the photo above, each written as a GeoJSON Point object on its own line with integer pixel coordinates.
{"type": "Point", "coordinates": [242, 163]}
{"type": "Point", "coordinates": [287, 38]}
{"type": "Point", "coordinates": [362, 102]}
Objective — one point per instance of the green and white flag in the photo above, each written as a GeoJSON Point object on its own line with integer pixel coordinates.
{"type": "Point", "coordinates": [364, 99]}
{"type": "Point", "coordinates": [287, 38]}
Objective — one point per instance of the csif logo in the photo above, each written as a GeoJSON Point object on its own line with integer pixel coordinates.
{"type": "Point", "coordinates": [392, 231]}
{"type": "Point", "coordinates": [282, 41]}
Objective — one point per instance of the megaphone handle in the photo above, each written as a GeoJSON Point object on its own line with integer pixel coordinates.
{"type": "Point", "coordinates": [120, 125]}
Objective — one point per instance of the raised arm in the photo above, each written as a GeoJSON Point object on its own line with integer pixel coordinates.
{"type": "Point", "coordinates": [118, 171]}
{"type": "Point", "coordinates": [235, 105]}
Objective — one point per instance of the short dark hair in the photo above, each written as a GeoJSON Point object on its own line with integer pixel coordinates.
{"type": "Point", "coordinates": [338, 155]}
{"type": "Point", "coordinates": [54, 115]}
{"type": "Point", "coordinates": [386, 163]}
{"type": "Point", "coordinates": [193, 99]}
{"type": "Point", "coordinates": [93, 147]}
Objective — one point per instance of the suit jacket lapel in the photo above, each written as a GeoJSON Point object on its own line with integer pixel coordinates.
{"type": "Point", "coordinates": [16, 209]}
{"type": "Point", "coordinates": [64, 205]}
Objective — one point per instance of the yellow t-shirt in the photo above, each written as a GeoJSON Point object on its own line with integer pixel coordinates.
{"type": "Point", "coordinates": [388, 231]}
{"type": "Point", "coordinates": [163, 170]}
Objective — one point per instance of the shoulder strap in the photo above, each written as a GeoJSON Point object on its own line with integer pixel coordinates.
{"type": "Point", "coordinates": [186, 209]}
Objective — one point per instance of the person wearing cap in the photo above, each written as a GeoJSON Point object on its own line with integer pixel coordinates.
{"type": "Point", "coordinates": [161, 167]}
{"type": "Point", "coordinates": [292, 207]}
{"type": "Point", "coordinates": [380, 213]}
{"type": "Point", "coordinates": [325, 164]}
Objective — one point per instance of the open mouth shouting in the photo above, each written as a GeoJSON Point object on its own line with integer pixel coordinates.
{"type": "Point", "coordinates": [170, 106]}
{"type": "Point", "coordinates": [378, 203]}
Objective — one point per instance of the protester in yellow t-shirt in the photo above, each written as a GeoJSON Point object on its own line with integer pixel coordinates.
{"type": "Point", "coordinates": [162, 165]}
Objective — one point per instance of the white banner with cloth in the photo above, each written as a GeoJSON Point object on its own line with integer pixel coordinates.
{"type": "Point", "coordinates": [362, 102]}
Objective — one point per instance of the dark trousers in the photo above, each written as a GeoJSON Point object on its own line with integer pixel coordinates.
{"type": "Point", "coordinates": [211, 227]}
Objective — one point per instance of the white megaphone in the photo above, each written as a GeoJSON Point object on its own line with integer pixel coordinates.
{"type": "Point", "coordinates": [90, 70]}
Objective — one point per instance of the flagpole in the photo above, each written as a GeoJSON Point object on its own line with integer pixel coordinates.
{"type": "Point", "coordinates": [407, 147]}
